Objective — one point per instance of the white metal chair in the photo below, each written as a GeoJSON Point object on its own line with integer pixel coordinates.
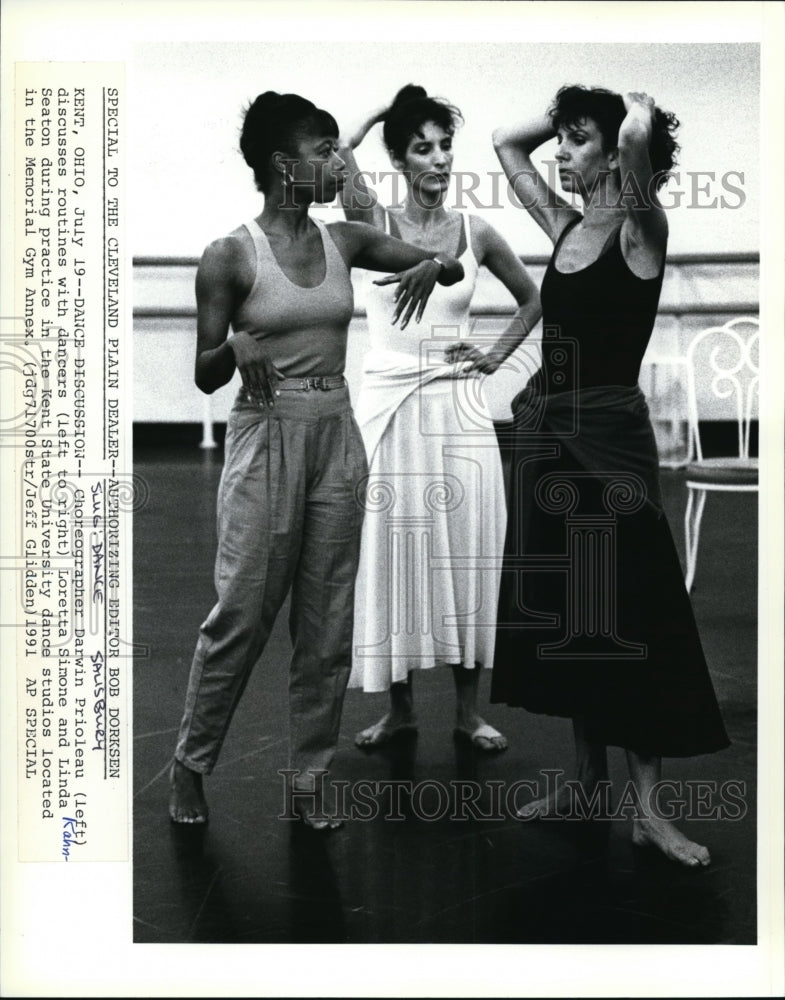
{"type": "Point", "coordinates": [722, 382]}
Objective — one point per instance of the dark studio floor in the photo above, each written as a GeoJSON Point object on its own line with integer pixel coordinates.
{"type": "Point", "coordinates": [252, 877]}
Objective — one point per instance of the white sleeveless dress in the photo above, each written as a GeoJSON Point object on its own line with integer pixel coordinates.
{"type": "Point", "coordinates": [435, 516]}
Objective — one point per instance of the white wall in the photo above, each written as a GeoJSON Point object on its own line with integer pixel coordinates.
{"type": "Point", "coordinates": [190, 183]}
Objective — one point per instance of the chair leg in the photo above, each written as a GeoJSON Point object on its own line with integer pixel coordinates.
{"type": "Point", "coordinates": [692, 527]}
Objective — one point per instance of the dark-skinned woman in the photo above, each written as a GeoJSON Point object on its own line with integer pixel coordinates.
{"type": "Point", "coordinates": [290, 503]}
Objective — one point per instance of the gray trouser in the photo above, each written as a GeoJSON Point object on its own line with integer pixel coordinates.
{"type": "Point", "coordinates": [289, 515]}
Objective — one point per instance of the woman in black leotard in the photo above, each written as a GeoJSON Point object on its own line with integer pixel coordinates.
{"type": "Point", "coordinates": [595, 623]}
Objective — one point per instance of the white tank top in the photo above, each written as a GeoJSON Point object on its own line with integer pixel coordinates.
{"type": "Point", "coordinates": [446, 316]}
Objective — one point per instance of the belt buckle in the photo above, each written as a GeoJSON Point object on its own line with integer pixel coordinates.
{"type": "Point", "coordinates": [315, 382]}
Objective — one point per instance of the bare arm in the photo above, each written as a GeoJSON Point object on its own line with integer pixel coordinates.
{"type": "Point", "coordinates": [216, 298]}
{"type": "Point", "coordinates": [500, 259]}
{"type": "Point", "coordinates": [219, 288]}
{"type": "Point", "coordinates": [359, 201]}
{"type": "Point", "coordinates": [645, 230]}
{"type": "Point", "coordinates": [415, 270]}
{"type": "Point", "coordinates": [514, 146]}
{"type": "Point", "coordinates": [377, 251]}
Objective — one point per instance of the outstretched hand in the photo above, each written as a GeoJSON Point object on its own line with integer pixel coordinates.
{"type": "Point", "coordinates": [256, 368]}
{"type": "Point", "coordinates": [484, 363]}
{"type": "Point", "coordinates": [415, 285]}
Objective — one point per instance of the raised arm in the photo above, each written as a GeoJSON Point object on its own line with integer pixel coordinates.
{"type": "Point", "coordinates": [514, 146]}
{"type": "Point", "coordinates": [376, 251]}
{"type": "Point", "coordinates": [497, 255]}
{"type": "Point", "coordinates": [416, 271]}
{"type": "Point", "coordinates": [645, 230]}
{"type": "Point", "coordinates": [359, 201]}
{"type": "Point", "coordinates": [219, 287]}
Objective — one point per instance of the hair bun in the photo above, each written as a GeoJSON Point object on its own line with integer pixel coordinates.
{"type": "Point", "coordinates": [411, 92]}
{"type": "Point", "coordinates": [272, 123]}
{"type": "Point", "coordinates": [268, 101]}
{"type": "Point", "coordinates": [410, 109]}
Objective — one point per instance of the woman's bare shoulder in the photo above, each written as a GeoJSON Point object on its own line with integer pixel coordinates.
{"type": "Point", "coordinates": [350, 234]}
{"type": "Point", "coordinates": [231, 257]}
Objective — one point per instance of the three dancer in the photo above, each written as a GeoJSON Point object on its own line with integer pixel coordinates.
{"type": "Point", "coordinates": [619, 654]}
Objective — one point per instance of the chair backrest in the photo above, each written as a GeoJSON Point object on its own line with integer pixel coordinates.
{"type": "Point", "coordinates": [722, 379]}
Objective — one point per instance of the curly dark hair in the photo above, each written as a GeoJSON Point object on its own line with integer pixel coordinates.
{"type": "Point", "coordinates": [606, 108]}
{"type": "Point", "coordinates": [409, 111]}
{"type": "Point", "coordinates": [273, 123]}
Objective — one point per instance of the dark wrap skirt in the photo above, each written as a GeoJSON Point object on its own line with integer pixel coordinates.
{"type": "Point", "coordinates": [594, 618]}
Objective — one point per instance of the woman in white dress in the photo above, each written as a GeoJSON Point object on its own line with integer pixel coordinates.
{"type": "Point", "coordinates": [435, 516]}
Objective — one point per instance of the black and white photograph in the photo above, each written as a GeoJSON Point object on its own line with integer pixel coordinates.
{"type": "Point", "coordinates": [451, 468]}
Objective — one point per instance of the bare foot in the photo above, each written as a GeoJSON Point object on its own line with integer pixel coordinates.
{"type": "Point", "coordinates": [558, 803]}
{"type": "Point", "coordinates": [659, 833]}
{"type": "Point", "coordinates": [316, 819]}
{"type": "Point", "coordinates": [186, 800]}
{"type": "Point", "coordinates": [383, 731]}
{"type": "Point", "coordinates": [482, 736]}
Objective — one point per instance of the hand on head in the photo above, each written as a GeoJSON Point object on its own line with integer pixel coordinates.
{"type": "Point", "coordinates": [638, 97]}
